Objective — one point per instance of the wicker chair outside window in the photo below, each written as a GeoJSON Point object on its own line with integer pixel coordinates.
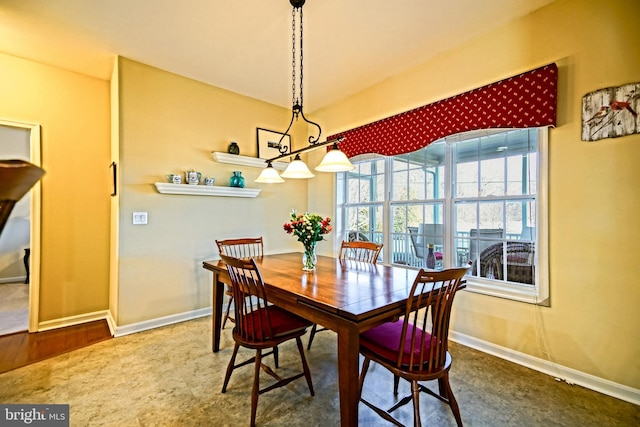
{"type": "Point", "coordinates": [416, 347]}
{"type": "Point", "coordinates": [260, 326]}
{"type": "Point", "coordinates": [247, 247]}
{"type": "Point", "coordinates": [520, 265]}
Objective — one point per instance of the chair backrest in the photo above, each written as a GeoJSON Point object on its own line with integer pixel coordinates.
{"type": "Point", "coordinates": [360, 251]}
{"type": "Point", "coordinates": [425, 234]}
{"type": "Point", "coordinates": [247, 247]}
{"type": "Point", "coordinates": [16, 178]}
{"type": "Point", "coordinates": [253, 322]}
{"type": "Point", "coordinates": [428, 310]}
{"type": "Point", "coordinates": [481, 239]}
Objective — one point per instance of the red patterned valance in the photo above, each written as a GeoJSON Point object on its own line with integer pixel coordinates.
{"type": "Point", "coordinates": [525, 100]}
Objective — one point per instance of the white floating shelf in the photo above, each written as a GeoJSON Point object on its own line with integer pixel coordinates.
{"type": "Point", "coordinates": [236, 159]}
{"type": "Point", "coordinates": [205, 190]}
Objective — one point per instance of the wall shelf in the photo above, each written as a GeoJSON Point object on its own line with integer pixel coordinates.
{"type": "Point", "coordinates": [236, 159]}
{"type": "Point", "coordinates": [205, 190]}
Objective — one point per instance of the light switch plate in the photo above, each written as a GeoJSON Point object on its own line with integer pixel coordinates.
{"type": "Point", "coordinates": [139, 218]}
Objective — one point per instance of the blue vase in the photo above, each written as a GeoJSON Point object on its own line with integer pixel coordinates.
{"type": "Point", "coordinates": [236, 180]}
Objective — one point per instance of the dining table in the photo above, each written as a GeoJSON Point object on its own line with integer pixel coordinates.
{"type": "Point", "coordinates": [345, 296]}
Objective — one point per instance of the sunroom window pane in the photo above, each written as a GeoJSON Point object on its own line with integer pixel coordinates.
{"type": "Point", "coordinates": [520, 219]}
{"type": "Point", "coordinates": [492, 177]}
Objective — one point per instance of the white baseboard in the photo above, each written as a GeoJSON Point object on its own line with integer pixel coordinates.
{"type": "Point", "coordinates": [74, 320]}
{"type": "Point", "coordinates": [568, 375]}
{"type": "Point", "coordinates": [19, 279]}
{"type": "Point", "coordinates": [161, 321]}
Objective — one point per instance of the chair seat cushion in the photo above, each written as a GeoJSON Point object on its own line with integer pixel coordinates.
{"type": "Point", "coordinates": [282, 323]}
{"type": "Point", "coordinates": [384, 340]}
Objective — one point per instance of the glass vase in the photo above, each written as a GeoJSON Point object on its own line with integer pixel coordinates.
{"type": "Point", "coordinates": [309, 257]}
{"type": "Point", "coordinates": [236, 180]}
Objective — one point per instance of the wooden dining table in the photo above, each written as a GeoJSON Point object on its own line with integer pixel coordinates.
{"type": "Point", "coordinates": [345, 296]}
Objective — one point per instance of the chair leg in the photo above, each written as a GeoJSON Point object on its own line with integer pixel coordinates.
{"type": "Point", "coordinates": [226, 314]}
{"type": "Point", "coordinates": [275, 356]}
{"type": "Point", "coordinates": [396, 381]}
{"type": "Point", "coordinates": [305, 366]}
{"type": "Point", "coordinates": [415, 392]}
{"type": "Point", "coordinates": [365, 368]}
{"type": "Point", "coordinates": [230, 368]}
{"type": "Point", "coordinates": [255, 392]}
{"type": "Point", "coordinates": [311, 335]}
{"type": "Point", "coordinates": [453, 403]}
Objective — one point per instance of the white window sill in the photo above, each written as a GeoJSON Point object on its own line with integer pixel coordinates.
{"type": "Point", "coordinates": [523, 293]}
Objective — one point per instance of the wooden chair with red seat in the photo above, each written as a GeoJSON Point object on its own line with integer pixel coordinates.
{"type": "Point", "coordinates": [416, 347]}
{"type": "Point", "coordinates": [259, 326]}
{"type": "Point", "coordinates": [16, 179]}
{"type": "Point", "coordinates": [357, 251]}
{"type": "Point", "coordinates": [247, 247]}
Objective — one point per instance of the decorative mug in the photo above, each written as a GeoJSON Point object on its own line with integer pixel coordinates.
{"type": "Point", "coordinates": [209, 180]}
{"type": "Point", "coordinates": [175, 178]}
{"type": "Point", "coordinates": [192, 177]}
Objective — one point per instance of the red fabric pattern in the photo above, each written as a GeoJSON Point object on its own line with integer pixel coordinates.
{"type": "Point", "coordinates": [525, 100]}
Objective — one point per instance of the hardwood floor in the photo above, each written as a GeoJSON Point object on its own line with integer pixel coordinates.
{"type": "Point", "coordinates": [23, 348]}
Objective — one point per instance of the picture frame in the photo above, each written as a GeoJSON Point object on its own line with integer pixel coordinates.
{"type": "Point", "coordinates": [268, 143]}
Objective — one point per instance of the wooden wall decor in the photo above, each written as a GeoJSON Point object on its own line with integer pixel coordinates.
{"type": "Point", "coordinates": [611, 112]}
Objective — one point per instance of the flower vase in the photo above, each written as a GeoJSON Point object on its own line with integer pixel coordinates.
{"type": "Point", "coordinates": [309, 257]}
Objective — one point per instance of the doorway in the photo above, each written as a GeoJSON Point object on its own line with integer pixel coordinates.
{"type": "Point", "coordinates": [20, 239]}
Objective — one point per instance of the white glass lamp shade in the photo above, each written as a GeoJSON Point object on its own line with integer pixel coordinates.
{"type": "Point", "coordinates": [335, 161]}
{"type": "Point", "coordinates": [269, 176]}
{"type": "Point", "coordinates": [297, 169]}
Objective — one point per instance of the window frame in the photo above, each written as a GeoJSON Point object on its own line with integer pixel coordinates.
{"type": "Point", "coordinates": [538, 293]}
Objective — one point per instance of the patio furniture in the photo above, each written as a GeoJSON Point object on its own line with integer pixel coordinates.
{"type": "Point", "coordinates": [481, 239]}
{"type": "Point", "coordinates": [426, 234]}
{"type": "Point", "coordinates": [520, 262]}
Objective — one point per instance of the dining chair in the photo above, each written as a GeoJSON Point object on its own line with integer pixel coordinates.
{"type": "Point", "coordinates": [246, 247]}
{"type": "Point", "coordinates": [416, 347]}
{"type": "Point", "coordinates": [360, 251]}
{"type": "Point", "coordinates": [357, 251]}
{"type": "Point", "coordinates": [16, 179]}
{"type": "Point", "coordinates": [260, 326]}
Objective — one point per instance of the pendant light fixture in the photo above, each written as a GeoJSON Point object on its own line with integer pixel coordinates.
{"type": "Point", "coordinates": [335, 160]}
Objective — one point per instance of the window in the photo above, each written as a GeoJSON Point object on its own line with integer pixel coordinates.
{"type": "Point", "coordinates": [477, 197]}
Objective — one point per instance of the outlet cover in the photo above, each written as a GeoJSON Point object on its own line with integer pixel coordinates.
{"type": "Point", "coordinates": [139, 218]}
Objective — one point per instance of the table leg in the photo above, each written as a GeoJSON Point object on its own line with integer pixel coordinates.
{"type": "Point", "coordinates": [216, 314]}
{"type": "Point", "coordinates": [348, 370]}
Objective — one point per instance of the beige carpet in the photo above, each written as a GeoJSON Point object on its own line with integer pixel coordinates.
{"type": "Point", "coordinates": [169, 377]}
{"type": "Point", "coordinates": [14, 307]}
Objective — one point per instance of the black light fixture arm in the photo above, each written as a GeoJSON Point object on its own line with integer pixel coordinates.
{"type": "Point", "coordinates": [334, 141]}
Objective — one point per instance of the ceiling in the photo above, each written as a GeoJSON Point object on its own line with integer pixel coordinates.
{"type": "Point", "coordinates": [245, 46]}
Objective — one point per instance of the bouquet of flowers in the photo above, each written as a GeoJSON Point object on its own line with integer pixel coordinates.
{"type": "Point", "coordinates": [309, 228]}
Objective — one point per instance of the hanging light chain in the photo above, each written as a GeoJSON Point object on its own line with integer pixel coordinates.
{"type": "Point", "coordinates": [293, 56]}
{"type": "Point", "coordinates": [301, 62]}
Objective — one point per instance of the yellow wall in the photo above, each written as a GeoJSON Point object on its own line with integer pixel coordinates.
{"type": "Point", "coordinates": [73, 111]}
{"type": "Point", "coordinates": [591, 325]}
{"type": "Point", "coordinates": [169, 124]}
